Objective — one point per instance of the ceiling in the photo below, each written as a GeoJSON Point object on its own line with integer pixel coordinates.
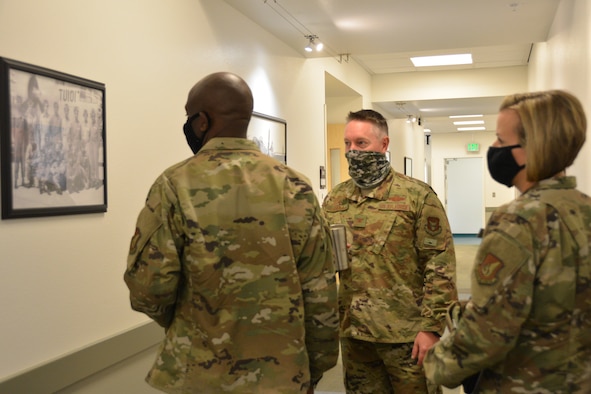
{"type": "Point", "coordinates": [382, 35]}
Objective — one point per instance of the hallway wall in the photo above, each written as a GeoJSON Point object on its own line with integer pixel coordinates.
{"type": "Point", "coordinates": [563, 62]}
{"type": "Point", "coordinates": [61, 286]}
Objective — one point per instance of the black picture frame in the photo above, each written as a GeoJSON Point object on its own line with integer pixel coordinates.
{"type": "Point", "coordinates": [408, 166]}
{"type": "Point", "coordinates": [270, 134]}
{"type": "Point", "coordinates": [53, 142]}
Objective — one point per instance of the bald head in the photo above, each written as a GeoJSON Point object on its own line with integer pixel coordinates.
{"type": "Point", "coordinates": [227, 102]}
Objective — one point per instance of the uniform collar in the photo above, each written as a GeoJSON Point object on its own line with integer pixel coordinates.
{"type": "Point", "coordinates": [227, 143]}
{"type": "Point", "coordinates": [380, 192]}
{"type": "Point", "coordinates": [563, 182]}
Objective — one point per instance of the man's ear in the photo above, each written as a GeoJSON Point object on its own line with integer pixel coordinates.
{"type": "Point", "coordinates": [385, 144]}
{"type": "Point", "coordinates": [205, 123]}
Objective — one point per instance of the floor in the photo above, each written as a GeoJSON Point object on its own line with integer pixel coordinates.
{"type": "Point", "coordinates": [466, 247]}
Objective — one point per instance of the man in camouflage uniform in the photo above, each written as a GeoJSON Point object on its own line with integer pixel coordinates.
{"type": "Point", "coordinates": [393, 298]}
{"type": "Point", "coordinates": [527, 326]}
{"type": "Point", "coordinates": [232, 256]}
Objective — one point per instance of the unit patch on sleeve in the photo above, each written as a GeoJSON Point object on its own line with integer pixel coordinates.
{"type": "Point", "coordinates": [488, 269]}
{"type": "Point", "coordinates": [433, 226]}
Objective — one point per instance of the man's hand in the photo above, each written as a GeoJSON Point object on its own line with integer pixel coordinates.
{"type": "Point", "coordinates": [423, 342]}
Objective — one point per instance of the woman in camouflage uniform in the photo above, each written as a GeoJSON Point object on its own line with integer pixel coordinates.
{"type": "Point", "coordinates": [526, 327]}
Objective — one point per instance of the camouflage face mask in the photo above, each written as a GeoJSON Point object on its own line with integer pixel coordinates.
{"type": "Point", "coordinates": [367, 169]}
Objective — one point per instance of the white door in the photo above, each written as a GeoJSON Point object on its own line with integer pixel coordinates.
{"type": "Point", "coordinates": [464, 194]}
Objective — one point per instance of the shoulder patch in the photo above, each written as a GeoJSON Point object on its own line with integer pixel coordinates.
{"type": "Point", "coordinates": [488, 269]}
{"type": "Point", "coordinates": [433, 226]}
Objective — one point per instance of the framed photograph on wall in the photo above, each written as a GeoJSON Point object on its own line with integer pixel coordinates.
{"type": "Point", "coordinates": [270, 134]}
{"type": "Point", "coordinates": [407, 166]}
{"type": "Point", "coordinates": [53, 148]}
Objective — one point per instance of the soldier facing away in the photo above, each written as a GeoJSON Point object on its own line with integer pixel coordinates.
{"type": "Point", "coordinates": [232, 256]}
{"type": "Point", "coordinates": [526, 328]}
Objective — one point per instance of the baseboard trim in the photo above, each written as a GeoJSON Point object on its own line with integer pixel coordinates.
{"type": "Point", "coordinates": [71, 368]}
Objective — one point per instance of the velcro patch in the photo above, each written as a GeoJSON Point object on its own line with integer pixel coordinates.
{"type": "Point", "coordinates": [430, 242]}
{"type": "Point", "coordinates": [488, 269]}
{"type": "Point", "coordinates": [359, 221]}
{"type": "Point", "coordinates": [433, 226]}
{"type": "Point", "coordinates": [393, 206]}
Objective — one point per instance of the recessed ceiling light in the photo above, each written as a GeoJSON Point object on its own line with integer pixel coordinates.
{"type": "Point", "coordinates": [467, 122]}
{"type": "Point", "coordinates": [471, 128]}
{"type": "Point", "coordinates": [442, 60]}
{"type": "Point", "coordinates": [464, 116]}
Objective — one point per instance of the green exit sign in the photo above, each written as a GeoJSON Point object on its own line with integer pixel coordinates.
{"type": "Point", "coordinates": [473, 147]}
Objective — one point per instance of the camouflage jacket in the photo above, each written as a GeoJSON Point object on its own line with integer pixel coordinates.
{"type": "Point", "coordinates": [232, 256]}
{"type": "Point", "coordinates": [528, 323]}
{"type": "Point", "coordinates": [402, 261]}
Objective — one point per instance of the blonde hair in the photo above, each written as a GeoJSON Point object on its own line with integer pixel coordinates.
{"type": "Point", "coordinates": [552, 130]}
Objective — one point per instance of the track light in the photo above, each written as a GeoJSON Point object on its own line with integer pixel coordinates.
{"type": "Point", "coordinates": [313, 44]}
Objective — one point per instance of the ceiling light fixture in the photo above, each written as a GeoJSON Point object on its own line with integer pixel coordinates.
{"type": "Point", "coordinates": [312, 43]}
{"type": "Point", "coordinates": [467, 122]}
{"type": "Point", "coordinates": [471, 128]}
{"type": "Point", "coordinates": [411, 119]}
{"type": "Point", "coordinates": [465, 116]}
{"type": "Point", "coordinates": [442, 60]}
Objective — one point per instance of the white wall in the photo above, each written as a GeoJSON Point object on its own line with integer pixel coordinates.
{"type": "Point", "coordinates": [407, 140]}
{"type": "Point", "coordinates": [61, 285]}
{"type": "Point", "coordinates": [337, 108]}
{"type": "Point", "coordinates": [563, 62]}
{"type": "Point", "coordinates": [432, 85]}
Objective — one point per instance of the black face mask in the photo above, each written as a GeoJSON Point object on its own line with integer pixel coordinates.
{"type": "Point", "coordinates": [502, 165]}
{"type": "Point", "coordinates": [194, 142]}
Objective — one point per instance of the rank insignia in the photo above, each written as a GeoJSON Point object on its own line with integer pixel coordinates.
{"type": "Point", "coordinates": [359, 221]}
{"type": "Point", "coordinates": [488, 269]}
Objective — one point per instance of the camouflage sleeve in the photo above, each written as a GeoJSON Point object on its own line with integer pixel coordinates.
{"type": "Point", "coordinates": [502, 289]}
{"type": "Point", "coordinates": [153, 264]}
{"type": "Point", "coordinates": [436, 253]}
{"type": "Point", "coordinates": [313, 250]}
